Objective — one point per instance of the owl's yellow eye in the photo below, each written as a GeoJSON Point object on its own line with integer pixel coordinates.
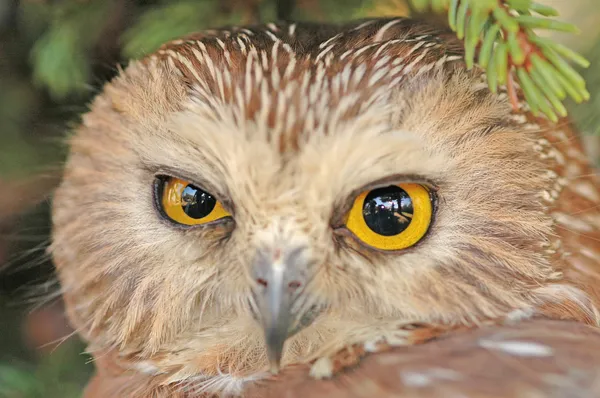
{"type": "Point", "coordinates": [391, 218]}
{"type": "Point", "coordinates": [187, 204]}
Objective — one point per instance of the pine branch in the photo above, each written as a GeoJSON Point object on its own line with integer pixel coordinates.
{"type": "Point", "coordinates": [502, 33]}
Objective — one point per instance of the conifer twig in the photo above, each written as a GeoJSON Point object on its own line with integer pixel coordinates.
{"type": "Point", "coordinates": [502, 33]}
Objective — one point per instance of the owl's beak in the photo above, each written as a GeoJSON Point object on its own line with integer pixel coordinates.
{"type": "Point", "coordinates": [279, 295]}
{"type": "Point", "coordinates": [277, 318]}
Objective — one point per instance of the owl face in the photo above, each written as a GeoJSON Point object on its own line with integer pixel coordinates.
{"type": "Point", "coordinates": [233, 193]}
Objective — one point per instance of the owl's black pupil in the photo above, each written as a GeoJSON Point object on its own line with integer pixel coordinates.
{"type": "Point", "coordinates": [197, 203]}
{"type": "Point", "coordinates": [388, 211]}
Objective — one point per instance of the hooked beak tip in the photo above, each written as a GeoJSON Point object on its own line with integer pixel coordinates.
{"type": "Point", "coordinates": [281, 277]}
{"type": "Point", "coordinates": [274, 368]}
{"type": "Point", "coordinates": [275, 342]}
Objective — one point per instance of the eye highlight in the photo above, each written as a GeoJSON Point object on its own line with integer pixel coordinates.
{"type": "Point", "coordinates": [391, 218]}
{"type": "Point", "coordinates": [185, 203]}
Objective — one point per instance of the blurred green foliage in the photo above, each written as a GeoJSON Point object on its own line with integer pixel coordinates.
{"type": "Point", "coordinates": [58, 375]}
{"type": "Point", "coordinates": [587, 115]}
{"type": "Point", "coordinates": [60, 55]}
{"type": "Point", "coordinates": [169, 21]}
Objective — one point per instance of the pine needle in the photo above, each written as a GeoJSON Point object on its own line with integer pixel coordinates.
{"type": "Point", "coordinates": [503, 33]}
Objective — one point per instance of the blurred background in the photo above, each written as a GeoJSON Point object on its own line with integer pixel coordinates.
{"type": "Point", "coordinates": [55, 55]}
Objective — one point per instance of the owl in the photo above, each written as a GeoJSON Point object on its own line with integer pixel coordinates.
{"type": "Point", "coordinates": [309, 210]}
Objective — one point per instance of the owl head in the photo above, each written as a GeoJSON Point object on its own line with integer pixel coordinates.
{"type": "Point", "coordinates": [250, 196]}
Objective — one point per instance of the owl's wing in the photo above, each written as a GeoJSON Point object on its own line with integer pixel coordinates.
{"type": "Point", "coordinates": [532, 359]}
{"type": "Point", "coordinates": [537, 358]}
